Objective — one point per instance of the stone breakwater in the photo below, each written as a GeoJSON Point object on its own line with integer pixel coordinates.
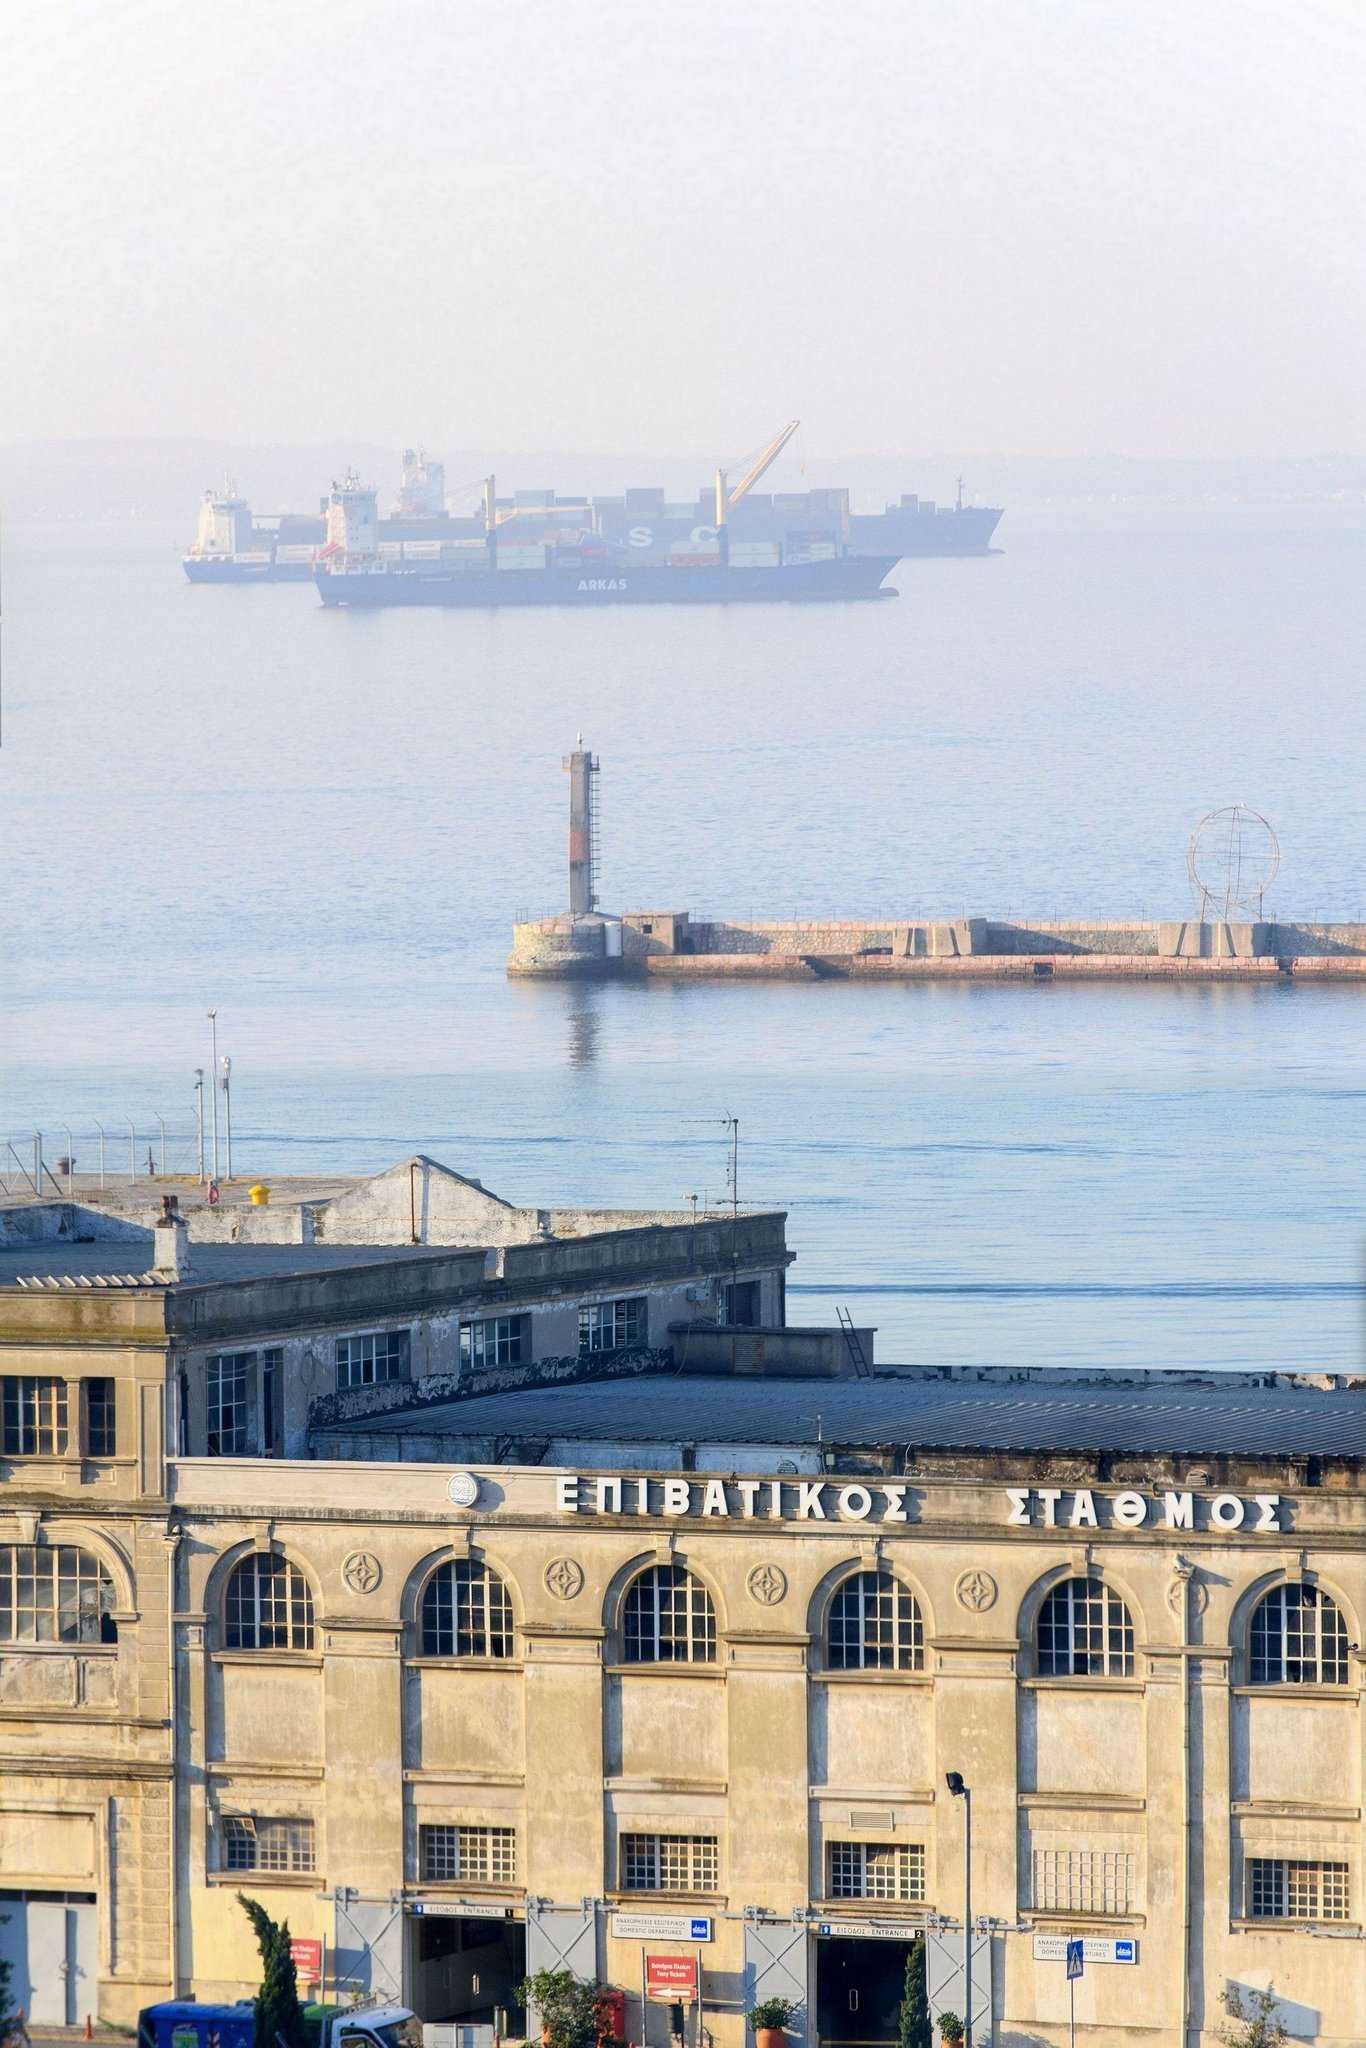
{"type": "Point", "coordinates": [674, 946]}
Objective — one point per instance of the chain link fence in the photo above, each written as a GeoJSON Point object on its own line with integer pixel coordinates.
{"type": "Point", "coordinates": [61, 1160]}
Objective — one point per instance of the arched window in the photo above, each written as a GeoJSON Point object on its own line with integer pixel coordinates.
{"type": "Point", "coordinates": [268, 1606]}
{"type": "Point", "coordinates": [466, 1612]}
{"type": "Point", "coordinates": [667, 1618]}
{"type": "Point", "coordinates": [874, 1625]}
{"type": "Point", "coordinates": [1298, 1638]}
{"type": "Point", "coordinates": [54, 1593]}
{"type": "Point", "coordinates": [1085, 1632]}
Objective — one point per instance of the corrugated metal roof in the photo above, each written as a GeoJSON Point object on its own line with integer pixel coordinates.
{"type": "Point", "coordinates": [1202, 1420]}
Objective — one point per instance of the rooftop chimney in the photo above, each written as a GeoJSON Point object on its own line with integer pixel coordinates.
{"type": "Point", "coordinates": [171, 1239]}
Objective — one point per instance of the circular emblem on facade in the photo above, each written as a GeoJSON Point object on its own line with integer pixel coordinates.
{"type": "Point", "coordinates": [462, 1489]}
{"type": "Point", "coordinates": [362, 1571]}
{"type": "Point", "coordinates": [564, 1577]}
{"type": "Point", "coordinates": [976, 1590]}
{"type": "Point", "coordinates": [767, 1584]}
{"type": "Point", "coordinates": [1199, 1594]}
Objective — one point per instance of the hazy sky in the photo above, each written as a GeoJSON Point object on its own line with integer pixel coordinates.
{"type": "Point", "coordinates": [949, 226]}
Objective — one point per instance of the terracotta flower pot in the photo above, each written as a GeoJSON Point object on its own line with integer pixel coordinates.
{"type": "Point", "coordinates": [770, 2037]}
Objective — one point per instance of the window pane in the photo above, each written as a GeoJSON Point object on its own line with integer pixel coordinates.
{"type": "Point", "coordinates": [1083, 1880]}
{"type": "Point", "coordinates": [1085, 1630]}
{"type": "Point", "coordinates": [252, 1844]}
{"type": "Point", "coordinates": [225, 1420]}
{"type": "Point", "coordinates": [33, 1417]}
{"type": "Point", "coordinates": [54, 1594]}
{"type": "Point", "coordinates": [502, 1340]}
{"type": "Point", "coordinates": [99, 1418]}
{"type": "Point", "coordinates": [369, 1360]}
{"type": "Point", "coordinates": [466, 1612]}
{"type": "Point", "coordinates": [875, 1624]}
{"type": "Point", "coordinates": [268, 1606]}
{"type": "Point", "coordinates": [669, 1863]}
{"type": "Point", "coordinates": [477, 1855]}
{"type": "Point", "coordinates": [668, 1618]}
{"type": "Point", "coordinates": [609, 1325]}
{"type": "Point", "coordinates": [1283, 1890]}
{"type": "Point", "coordinates": [877, 1870]}
{"type": "Point", "coordinates": [1298, 1638]}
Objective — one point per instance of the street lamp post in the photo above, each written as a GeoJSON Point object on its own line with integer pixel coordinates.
{"type": "Point", "coordinates": [213, 1081]}
{"type": "Point", "coordinates": [960, 1790]}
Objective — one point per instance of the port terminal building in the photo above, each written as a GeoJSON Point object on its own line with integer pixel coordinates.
{"type": "Point", "coordinates": [657, 1642]}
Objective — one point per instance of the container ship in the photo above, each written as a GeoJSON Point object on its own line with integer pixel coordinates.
{"type": "Point", "coordinates": [638, 533]}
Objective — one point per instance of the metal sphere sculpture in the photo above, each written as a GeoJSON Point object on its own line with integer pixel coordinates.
{"type": "Point", "coordinates": [1233, 858]}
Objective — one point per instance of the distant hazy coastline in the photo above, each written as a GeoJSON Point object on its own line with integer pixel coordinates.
{"type": "Point", "coordinates": [163, 479]}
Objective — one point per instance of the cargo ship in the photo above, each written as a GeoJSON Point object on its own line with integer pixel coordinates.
{"type": "Point", "coordinates": [233, 546]}
{"type": "Point", "coordinates": [576, 564]}
{"type": "Point", "coordinates": [641, 530]}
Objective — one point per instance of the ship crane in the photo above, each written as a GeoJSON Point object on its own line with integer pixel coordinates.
{"type": "Point", "coordinates": [765, 462]}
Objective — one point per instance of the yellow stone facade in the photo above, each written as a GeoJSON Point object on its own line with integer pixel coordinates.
{"type": "Point", "coordinates": [1186, 1768]}
{"type": "Point", "coordinates": [1179, 1774]}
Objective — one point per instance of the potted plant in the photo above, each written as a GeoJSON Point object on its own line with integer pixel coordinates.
{"type": "Point", "coordinates": [770, 2020]}
{"type": "Point", "coordinates": [567, 2007]}
{"type": "Point", "coordinates": [950, 2028]}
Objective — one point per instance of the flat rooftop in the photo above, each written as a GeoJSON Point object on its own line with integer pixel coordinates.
{"type": "Point", "coordinates": [907, 1409]}
{"type": "Point", "coordinates": [211, 1265]}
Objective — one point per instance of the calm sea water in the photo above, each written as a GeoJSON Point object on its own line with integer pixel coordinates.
{"type": "Point", "coordinates": [325, 824]}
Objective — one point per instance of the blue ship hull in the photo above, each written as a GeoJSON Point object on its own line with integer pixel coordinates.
{"type": "Point", "coordinates": [848, 576]}
{"type": "Point", "coordinates": [222, 569]}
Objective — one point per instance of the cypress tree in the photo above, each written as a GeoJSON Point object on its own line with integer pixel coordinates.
{"type": "Point", "coordinates": [914, 2028]}
{"type": "Point", "coordinates": [279, 2018]}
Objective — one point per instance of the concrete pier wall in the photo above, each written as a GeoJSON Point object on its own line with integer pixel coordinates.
{"type": "Point", "coordinates": [675, 945]}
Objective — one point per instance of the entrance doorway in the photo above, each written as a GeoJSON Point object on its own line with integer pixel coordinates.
{"type": "Point", "coordinates": [49, 1939]}
{"type": "Point", "coordinates": [464, 1971]}
{"type": "Point", "coordinates": [859, 1987]}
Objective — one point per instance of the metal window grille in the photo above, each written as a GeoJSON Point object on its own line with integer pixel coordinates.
{"type": "Point", "coordinates": [367, 1360]}
{"type": "Point", "coordinates": [466, 1612]}
{"type": "Point", "coordinates": [33, 1417]}
{"type": "Point", "coordinates": [501, 1340]}
{"type": "Point", "coordinates": [54, 1593]}
{"type": "Point", "coordinates": [668, 1618]}
{"type": "Point", "coordinates": [252, 1844]}
{"type": "Point", "coordinates": [877, 1870]}
{"type": "Point", "coordinates": [1085, 1631]}
{"type": "Point", "coordinates": [875, 1624]}
{"type": "Point", "coordinates": [225, 1420]}
{"type": "Point", "coordinates": [1083, 1880]}
{"type": "Point", "coordinates": [608, 1325]}
{"type": "Point", "coordinates": [1282, 1890]}
{"type": "Point", "coordinates": [100, 1434]}
{"type": "Point", "coordinates": [1298, 1638]}
{"type": "Point", "coordinates": [670, 1863]}
{"type": "Point", "coordinates": [269, 1605]}
{"type": "Point", "coordinates": [476, 1855]}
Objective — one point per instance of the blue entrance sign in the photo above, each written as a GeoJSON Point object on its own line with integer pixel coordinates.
{"type": "Point", "coordinates": [1075, 1961]}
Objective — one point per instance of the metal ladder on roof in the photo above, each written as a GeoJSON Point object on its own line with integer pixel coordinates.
{"type": "Point", "coordinates": [853, 1345]}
